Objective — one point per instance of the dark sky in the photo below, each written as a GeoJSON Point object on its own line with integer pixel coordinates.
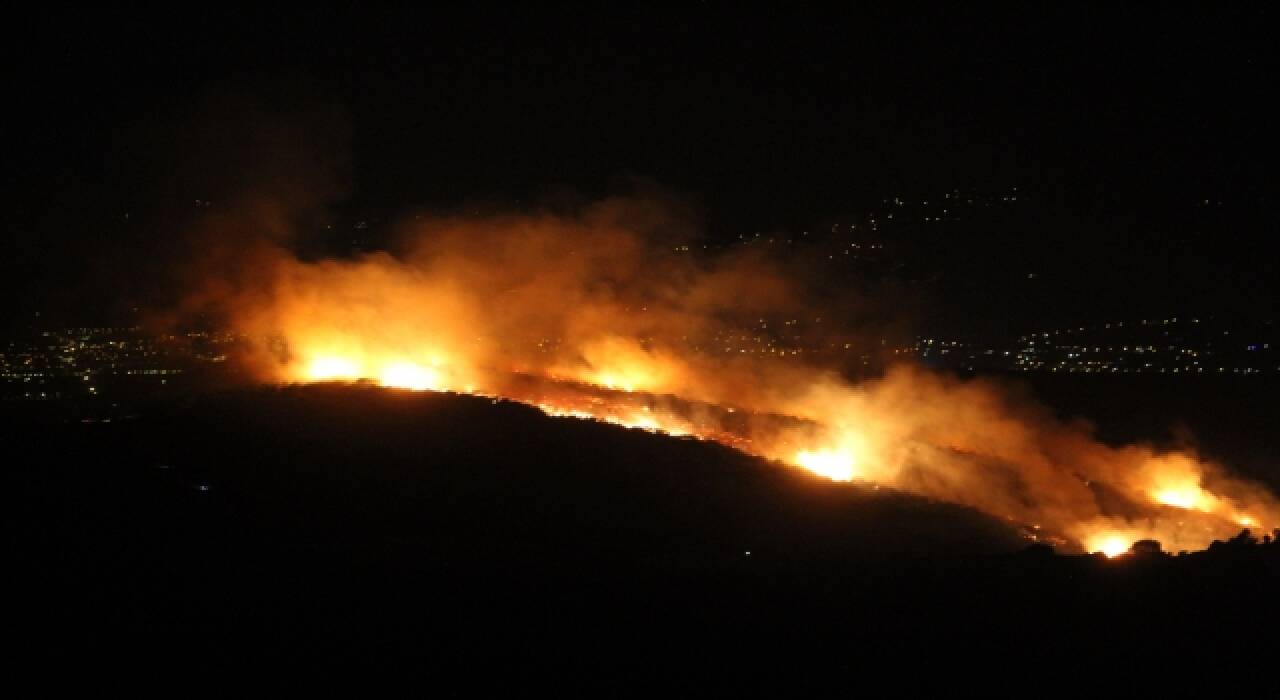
{"type": "Point", "coordinates": [1115, 117]}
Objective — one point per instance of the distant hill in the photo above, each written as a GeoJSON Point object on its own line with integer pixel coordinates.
{"type": "Point", "coordinates": [443, 475]}
{"type": "Point", "coordinates": [322, 527]}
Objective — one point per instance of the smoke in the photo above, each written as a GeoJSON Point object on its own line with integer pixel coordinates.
{"type": "Point", "coordinates": [617, 293]}
{"type": "Point", "coordinates": [215, 183]}
{"type": "Point", "coordinates": [614, 310]}
{"type": "Point", "coordinates": [618, 310]}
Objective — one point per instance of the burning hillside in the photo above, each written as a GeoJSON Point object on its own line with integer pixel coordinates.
{"type": "Point", "coordinates": [608, 315]}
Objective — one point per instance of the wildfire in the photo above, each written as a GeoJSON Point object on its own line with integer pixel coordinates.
{"type": "Point", "coordinates": [1111, 546]}
{"type": "Point", "coordinates": [406, 375]}
{"type": "Point", "coordinates": [329, 368]}
{"type": "Point", "coordinates": [394, 374]}
{"type": "Point", "coordinates": [583, 318]}
{"type": "Point", "coordinates": [1187, 499]}
{"type": "Point", "coordinates": [837, 466]}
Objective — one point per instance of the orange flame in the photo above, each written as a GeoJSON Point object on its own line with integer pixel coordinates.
{"type": "Point", "coordinates": [1111, 546]}
{"type": "Point", "coordinates": [603, 325]}
{"type": "Point", "coordinates": [837, 466]}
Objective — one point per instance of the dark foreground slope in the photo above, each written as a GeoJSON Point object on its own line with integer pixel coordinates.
{"type": "Point", "coordinates": [329, 528]}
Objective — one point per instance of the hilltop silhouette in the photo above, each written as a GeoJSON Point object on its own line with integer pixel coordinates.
{"type": "Point", "coordinates": [296, 527]}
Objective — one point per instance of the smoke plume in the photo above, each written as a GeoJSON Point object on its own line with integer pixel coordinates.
{"type": "Point", "coordinates": [615, 311]}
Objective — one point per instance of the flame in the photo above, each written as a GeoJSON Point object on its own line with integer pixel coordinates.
{"type": "Point", "coordinates": [1110, 546]}
{"type": "Point", "coordinates": [1187, 499]}
{"type": "Point", "coordinates": [835, 465]}
{"type": "Point", "coordinates": [397, 374]}
{"type": "Point", "coordinates": [585, 318]}
{"type": "Point", "coordinates": [330, 368]}
{"type": "Point", "coordinates": [407, 375]}
{"type": "Point", "coordinates": [623, 364]}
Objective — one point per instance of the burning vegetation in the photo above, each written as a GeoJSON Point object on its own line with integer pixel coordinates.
{"type": "Point", "coordinates": [609, 314]}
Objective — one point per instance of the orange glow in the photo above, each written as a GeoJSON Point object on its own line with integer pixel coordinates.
{"type": "Point", "coordinates": [624, 365]}
{"type": "Point", "coordinates": [396, 374]}
{"type": "Point", "coordinates": [837, 466]}
{"type": "Point", "coordinates": [1111, 546]}
{"type": "Point", "coordinates": [591, 316]}
{"type": "Point", "coordinates": [330, 368]}
{"type": "Point", "coordinates": [407, 375]}
{"type": "Point", "coordinates": [1187, 499]}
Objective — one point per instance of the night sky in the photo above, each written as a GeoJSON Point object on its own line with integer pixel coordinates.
{"type": "Point", "coordinates": [1115, 121]}
{"type": "Point", "coordinates": [229, 457]}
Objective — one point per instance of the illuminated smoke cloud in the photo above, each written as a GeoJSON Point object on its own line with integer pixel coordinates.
{"type": "Point", "coordinates": [614, 313]}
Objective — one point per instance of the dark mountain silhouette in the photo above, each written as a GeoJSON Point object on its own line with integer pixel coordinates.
{"type": "Point", "coordinates": [295, 528]}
